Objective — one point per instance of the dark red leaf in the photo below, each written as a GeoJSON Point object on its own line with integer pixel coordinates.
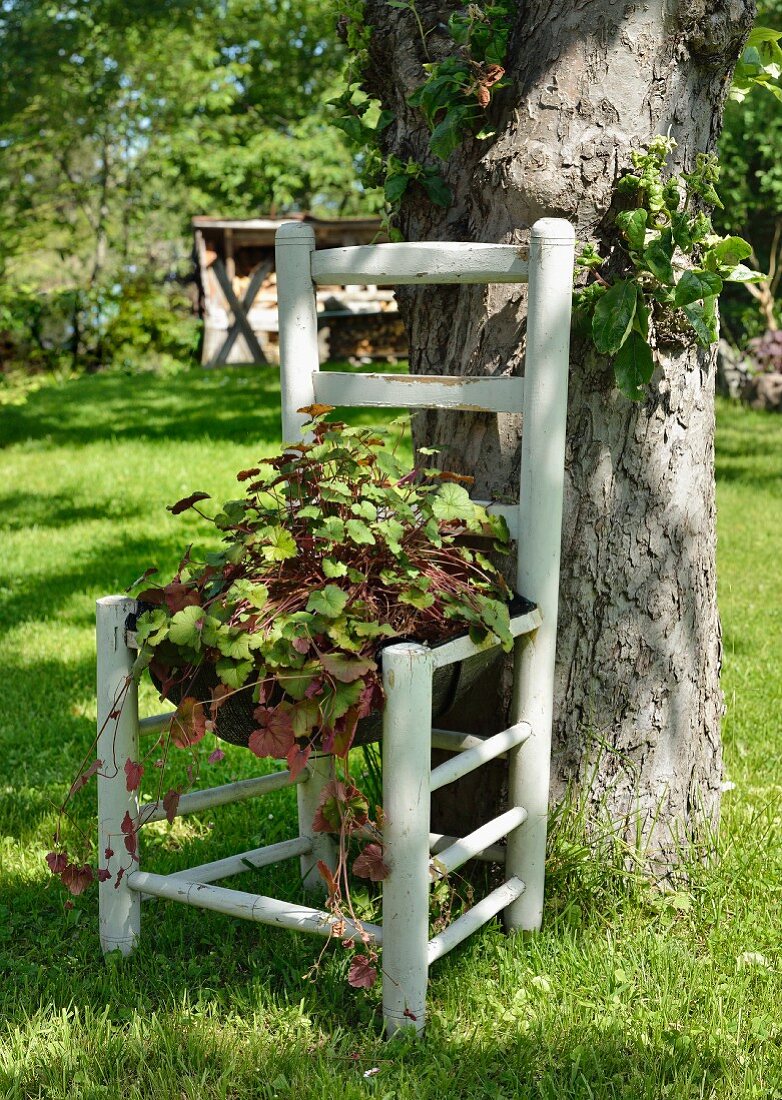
{"type": "Point", "coordinates": [187, 502]}
{"type": "Point", "coordinates": [216, 756]}
{"type": "Point", "coordinates": [57, 861]}
{"type": "Point", "coordinates": [188, 724]}
{"type": "Point", "coordinates": [81, 780]}
{"type": "Point", "coordinates": [77, 879]}
{"type": "Point", "coordinates": [274, 736]}
{"type": "Point", "coordinates": [410, 1015]}
{"type": "Point", "coordinates": [128, 828]}
{"type": "Point", "coordinates": [370, 864]}
{"type": "Point", "coordinates": [219, 694]}
{"type": "Point", "coordinates": [104, 874]}
{"type": "Point", "coordinates": [171, 804]}
{"type": "Point", "coordinates": [362, 974]}
{"type": "Point", "coordinates": [326, 874]}
{"type": "Point", "coordinates": [297, 758]}
{"type": "Point", "coordinates": [140, 580]}
{"type": "Point", "coordinates": [153, 596]}
{"type": "Point", "coordinates": [108, 853]}
{"type": "Point", "coordinates": [341, 806]}
{"type": "Point", "coordinates": [179, 596]}
{"type": "Point", "coordinates": [245, 475]}
{"type": "Point", "coordinates": [133, 774]}
{"type": "Point", "coordinates": [118, 879]}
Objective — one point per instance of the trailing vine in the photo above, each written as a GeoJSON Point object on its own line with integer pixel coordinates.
{"type": "Point", "coordinates": [671, 265]}
{"type": "Point", "coordinates": [453, 97]}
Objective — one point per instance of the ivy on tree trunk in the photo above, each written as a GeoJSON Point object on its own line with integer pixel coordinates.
{"type": "Point", "coordinates": [638, 701]}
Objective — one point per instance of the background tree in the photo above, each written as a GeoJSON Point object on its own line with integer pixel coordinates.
{"type": "Point", "coordinates": [638, 700]}
{"type": "Point", "coordinates": [752, 183]}
{"type": "Point", "coordinates": [118, 124]}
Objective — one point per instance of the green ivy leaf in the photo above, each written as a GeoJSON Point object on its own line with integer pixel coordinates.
{"type": "Point", "coordinates": [278, 544]}
{"type": "Point", "coordinates": [359, 532]}
{"type": "Point", "coordinates": [658, 255]}
{"type": "Point", "coordinates": [152, 627]}
{"type": "Point", "coordinates": [329, 601]}
{"type": "Point", "coordinates": [295, 681]}
{"type": "Point", "coordinates": [742, 274]}
{"type": "Point", "coordinates": [234, 643]}
{"type": "Point", "coordinates": [346, 669]}
{"type": "Point", "coordinates": [186, 626]}
{"type": "Point", "coordinates": [449, 134]}
{"type": "Point", "coordinates": [696, 285]}
{"type": "Point", "coordinates": [613, 316]}
{"type": "Point", "coordinates": [365, 509]}
{"type": "Point", "coordinates": [697, 317]}
{"type": "Point", "coordinates": [233, 674]}
{"type": "Point", "coordinates": [437, 190]}
{"type": "Point", "coordinates": [728, 252]}
{"type": "Point", "coordinates": [395, 187]}
{"type": "Point", "coordinates": [633, 225]}
{"type": "Point", "coordinates": [332, 568]}
{"type": "Point", "coordinates": [332, 528]}
{"type": "Point", "coordinates": [452, 502]}
{"type": "Point", "coordinates": [634, 366]}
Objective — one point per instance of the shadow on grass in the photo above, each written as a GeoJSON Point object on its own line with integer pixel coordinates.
{"type": "Point", "coordinates": [185, 407]}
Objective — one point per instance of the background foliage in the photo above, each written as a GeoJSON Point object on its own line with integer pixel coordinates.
{"type": "Point", "coordinates": [119, 123]}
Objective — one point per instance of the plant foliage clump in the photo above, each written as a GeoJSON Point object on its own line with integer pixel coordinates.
{"type": "Point", "coordinates": [672, 266]}
{"type": "Point", "coordinates": [335, 549]}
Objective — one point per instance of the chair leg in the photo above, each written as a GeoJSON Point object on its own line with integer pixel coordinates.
{"type": "Point", "coordinates": [321, 771]}
{"type": "Point", "coordinates": [528, 784]}
{"type": "Point", "coordinates": [407, 681]}
{"type": "Point", "coordinates": [119, 907]}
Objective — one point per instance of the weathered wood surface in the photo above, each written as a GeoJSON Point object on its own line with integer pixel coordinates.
{"type": "Point", "coordinates": [391, 391]}
{"type": "Point", "coordinates": [396, 264]}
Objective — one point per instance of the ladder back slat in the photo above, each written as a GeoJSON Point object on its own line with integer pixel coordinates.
{"type": "Point", "coordinates": [431, 262]}
{"type": "Point", "coordinates": [421, 391]}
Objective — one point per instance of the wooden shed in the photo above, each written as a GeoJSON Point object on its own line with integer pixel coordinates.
{"type": "Point", "coordinates": [238, 293]}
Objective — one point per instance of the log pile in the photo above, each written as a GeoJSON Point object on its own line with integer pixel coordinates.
{"type": "Point", "coordinates": [368, 336]}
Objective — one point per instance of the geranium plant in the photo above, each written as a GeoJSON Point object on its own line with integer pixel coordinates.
{"type": "Point", "coordinates": [335, 549]}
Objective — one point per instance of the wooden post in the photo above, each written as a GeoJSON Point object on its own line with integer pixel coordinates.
{"type": "Point", "coordinates": [407, 734]}
{"type": "Point", "coordinates": [119, 907]}
{"type": "Point", "coordinates": [295, 244]}
{"type": "Point", "coordinates": [539, 539]}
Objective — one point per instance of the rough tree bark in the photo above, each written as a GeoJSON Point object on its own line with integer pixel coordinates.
{"type": "Point", "coordinates": [638, 700]}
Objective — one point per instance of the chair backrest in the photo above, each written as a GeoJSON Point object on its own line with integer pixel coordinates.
{"type": "Point", "coordinates": [541, 395]}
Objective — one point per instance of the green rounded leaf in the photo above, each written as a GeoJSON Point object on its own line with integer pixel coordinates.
{"type": "Point", "coordinates": [694, 286]}
{"type": "Point", "coordinates": [329, 601]}
{"type": "Point", "coordinates": [634, 366]}
{"type": "Point", "coordinates": [613, 316]}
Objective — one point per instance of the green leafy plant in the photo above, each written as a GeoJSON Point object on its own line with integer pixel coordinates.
{"type": "Point", "coordinates": [668, 266]}
{"type": "Point", "coordinates": [335, 549]}
{"type": "Point", "coordinates": [453, 97]}
{"type": "Point", "coordinates": [760, 64]}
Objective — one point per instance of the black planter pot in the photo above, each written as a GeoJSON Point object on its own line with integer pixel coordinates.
{"type": "Point", "coordinates": [235, 721]}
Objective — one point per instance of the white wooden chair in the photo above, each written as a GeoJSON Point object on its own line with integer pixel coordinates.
{"type": "Point", "coordinates": [408, 778]}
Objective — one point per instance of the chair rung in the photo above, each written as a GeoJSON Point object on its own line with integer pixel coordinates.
{"type": "Point", "coordinates": [462, 648]}
{"type": "Point", "coordinates": [246, 861]}
{"type": "Point", "coordinates": [222, 796]}
{"type": "Point", "coordinates": [454, 741]}
{"type": "Point", "coordinates": [237, 903]}
{"type": "Point", "coordinates": [475, 843]}
{"type": "Point", "coordinates": [419, 391]}
{"type": "Point", "coordinates": [155, 722]}
{"type": "Point", "coordinates": [438, 842]}
{"type": "Point", "coordinates": [491, 748]}
{"type": "Point", "coordinates": [474, 918]}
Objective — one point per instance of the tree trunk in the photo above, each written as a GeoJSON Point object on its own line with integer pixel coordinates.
{"type": "Point", "coordinates": [638, 700]}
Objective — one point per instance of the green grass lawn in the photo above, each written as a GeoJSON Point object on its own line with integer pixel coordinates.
{"type": "Point", "coordinates": [625, 994]}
